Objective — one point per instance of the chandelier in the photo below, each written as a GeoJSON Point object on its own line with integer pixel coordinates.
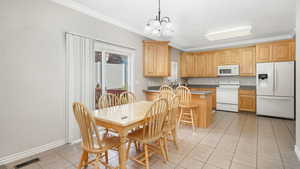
{"type": "Point", "coordinates": [160, 26]}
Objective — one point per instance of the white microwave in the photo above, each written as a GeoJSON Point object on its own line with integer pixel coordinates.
{"type": "Point", "coordinates": [229, 70]}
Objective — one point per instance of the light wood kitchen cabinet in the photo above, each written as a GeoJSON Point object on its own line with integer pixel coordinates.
{"type": "Point", "coordinates": [263, 52]}
{"type": "Point", "coordinates": [247, 100]}
{"type": "Point", "coordinates": [200, 65]}
{"type": "Point", "coordinates": [247, 61]}
{"type": "Point", "coordinates": [211, 65]}
{"type": "Point", "coordinates": [282, 51]}
{"type": "Point", "coordinates": [156, 59]}
{"type": "Point", "coordinates": [278, 51]}
{"type": "Point", "coordinates": [188, 65]}
{"type": "Point", "coordinates": [213, 95]}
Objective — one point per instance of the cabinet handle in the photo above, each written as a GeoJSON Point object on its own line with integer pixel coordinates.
{"type": "Point", "coordinates": [275, 77]}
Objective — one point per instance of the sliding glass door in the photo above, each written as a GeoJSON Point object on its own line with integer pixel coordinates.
{"type": "Point", "coordinates": [113, 68]}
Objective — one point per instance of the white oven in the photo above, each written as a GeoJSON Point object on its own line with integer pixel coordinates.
{"type": "Point", "coordinates": [228, 96]}
{"type": "Point", "coordinates": [229, 70]}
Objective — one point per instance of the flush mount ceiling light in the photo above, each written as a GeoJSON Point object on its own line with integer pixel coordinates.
{"type": "Point", "coordinates": [229, 33]}
{"type": "Point", "coordinates": [160, 26]}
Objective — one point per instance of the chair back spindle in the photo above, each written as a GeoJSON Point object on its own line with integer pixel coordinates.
{"type": "Point", "coordinates": [154, 119]}
{"type": "Point", "coordinates": [87, 127]}
{"type": "Point", "coordinates": [108, 100]}
{"type": "Point", "coordinates": [165, 88]}
{"type": "Point", "coordinates": [127, 98]}
{"type": "Point", "coordinates": [184, 93]}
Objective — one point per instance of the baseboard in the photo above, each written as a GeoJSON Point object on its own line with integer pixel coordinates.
{"type": "Point", "coordinates": [76, 141]}
{"type": "Point", "coordinates": [297, 150]}
{"type": "Point", "coordinates": [30, 152]}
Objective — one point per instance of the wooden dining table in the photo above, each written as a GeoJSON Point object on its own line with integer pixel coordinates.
{"type": "Point", "coordinates": [122, 119]}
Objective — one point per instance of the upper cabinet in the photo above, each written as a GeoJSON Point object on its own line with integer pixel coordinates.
{"type": "Point", "coordinates": [198, 64]}
{"type": "Point", "coordinates": [247, 61]}
{"type": "Point", "coordinates": [156, 59]}
{"type": "Point", "coordinates": [278, 51]}
{"type": "Point", "coordinates": [187, 65]}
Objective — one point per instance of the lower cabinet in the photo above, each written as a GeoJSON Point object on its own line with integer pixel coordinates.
{"type": "Point", "coordinates": [150, 96]}
{"type": "Point", "coordinates": [213, 90]}
{"type": "Point", "coordinates": [247, 100]}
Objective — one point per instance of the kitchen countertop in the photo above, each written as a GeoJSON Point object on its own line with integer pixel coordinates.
{"type": "Point", "coordinates": [243, 87]}
{"type": "Point", "coordinates": [193, 92]}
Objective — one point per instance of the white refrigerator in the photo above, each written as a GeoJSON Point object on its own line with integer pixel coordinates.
{"type": "Point", "coordinates": [275, 89]}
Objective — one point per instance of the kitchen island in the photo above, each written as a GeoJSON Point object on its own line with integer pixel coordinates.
{"type": "Point", "coordinates": [204, 113]}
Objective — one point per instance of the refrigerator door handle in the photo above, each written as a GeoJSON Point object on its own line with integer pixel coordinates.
{"type": "Point", "coordinates": [275, 77]}
{"type": "Point", "coordinates": [275, 98]}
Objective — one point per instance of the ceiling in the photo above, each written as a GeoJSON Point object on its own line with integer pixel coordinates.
{"type": "Point", "coordinates": [270, 19]}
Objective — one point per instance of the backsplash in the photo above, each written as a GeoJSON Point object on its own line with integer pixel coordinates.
{"type": "Point", "coordinates": [247, 81]}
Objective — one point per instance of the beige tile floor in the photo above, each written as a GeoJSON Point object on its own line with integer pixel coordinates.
{"type": "Point", "coordinates": [234, 141]}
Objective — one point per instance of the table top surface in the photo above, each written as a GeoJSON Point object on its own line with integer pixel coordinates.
{"type": "Point", "coordinates": [124, 115]}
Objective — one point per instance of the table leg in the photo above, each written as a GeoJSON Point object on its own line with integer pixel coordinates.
{"type": "Point", "coordinates": [122, 151]}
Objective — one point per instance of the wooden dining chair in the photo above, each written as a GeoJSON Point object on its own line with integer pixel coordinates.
{"type": "Point", "coordinates": [171, 120]}
{"type": "Point", "coordinates": [187, 108]}
{"type": "Point", "coordinates": [108, 100]}
{"type": "Point", "coordinates": [165, 88]}
{"type": "Point", "coordinates": [127, 97]}
{"type": "Point", "coordinates": [92, 143]}
{"type": "Point", "coordinates": [152, 132]}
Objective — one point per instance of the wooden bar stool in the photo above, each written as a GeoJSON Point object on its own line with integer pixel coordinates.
{"type": "Point", "coordinates": [165, 88]}
{"type": "Point", "coordinates": [187, 108]}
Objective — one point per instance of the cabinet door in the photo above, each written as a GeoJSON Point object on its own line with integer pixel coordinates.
{"type": "Point", "coordinates": [211, 69]}
{"type": "Point", "coordinates": [183, 64]}
{"type": "Point", "coordinates": [156, 59]}
{"type": "Point", "coordinates": [247, 103]}
{"type": "Point", "coordinates": [281, 51]}
{"type": "Point", "coordinates": [263, 52]}
{"type": "Point", "coordinates": [200, 65]}
{"type": "Point", "coordinates": [222, 57]}
{"type": "Point", "coordinates": [187, 65]}
{"type": "Point", "coordinates": [247, 61]}
{"type": "Point", "coordinates": [162, 66]}
{"type": "Point", "coordinates": [150, 55]}
{"type": "Point", "coordinates": [233, 57]}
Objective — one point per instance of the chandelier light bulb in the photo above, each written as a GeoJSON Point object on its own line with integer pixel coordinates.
{"type": "Point", "coordinates": [147, 29]}
{"type": "Point", "coordinates": [155, 32]}
{"type": "Point", "coordinates": [155, 24]}
{"type": "Point", "coordinates": [160, 26]}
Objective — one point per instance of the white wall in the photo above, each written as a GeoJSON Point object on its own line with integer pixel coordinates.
{"type": "Point", "coordinates": [32, 69]}
{"type": "Point", "coordinates": [298, 77]}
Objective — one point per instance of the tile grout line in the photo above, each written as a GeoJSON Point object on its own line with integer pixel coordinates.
{"type": "Point", "coordinates": [226, 128]}
{"type": "Point", "coordinates": [278, 147]}
{"type": "Point", "coordinates": [290, 132]}
{"type": "Point", "coordinates": [234, 152]}
{"type": "Point", "coordinates": [199, 142]}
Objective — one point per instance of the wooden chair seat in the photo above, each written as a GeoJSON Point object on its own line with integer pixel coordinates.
{"type": "Point", "coordinates": [137, 135]}
{"type": "Point", "coordinates": [106, 144]}
{"type": "Point", "coordinates": [188, 105]}
{"type": "Point", "coordinates": [152, 132]}
{"type": "Point", "coordinates": [91, 140]}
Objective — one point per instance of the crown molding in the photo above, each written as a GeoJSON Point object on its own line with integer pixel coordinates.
{"type": "Point", "coordinates": [241, 43]}
{"type": "Point", "coordinates": [95, 14]}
